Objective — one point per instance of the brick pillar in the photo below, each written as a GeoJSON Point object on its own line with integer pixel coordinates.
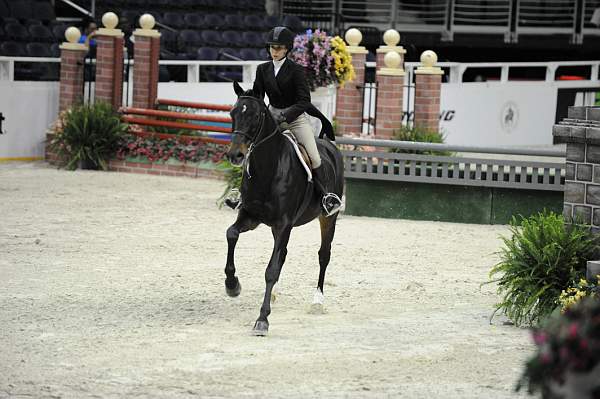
{"type": "Point", "coordinates": [581, 132]}
{"type": "Point", "coordinates": [391, 38]}
{"type": "Point", "coordinates": [349, 99]}
{"type": "Point", "coordinates": [72, 55]}
{"type": "Point", "coordinates": [428, 82]}
{"type": "Point", "coordinates": [390, 81]}
{"type": "Point", "coordinates": [109, 62]}
{"type": "Point", "coordinates": [146, 54]}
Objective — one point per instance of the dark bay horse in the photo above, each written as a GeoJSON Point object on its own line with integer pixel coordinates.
{"type": "Point", "coordinates": [275, 191]}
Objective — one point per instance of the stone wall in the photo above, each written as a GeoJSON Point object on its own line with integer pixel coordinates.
{"type": "Point", "coordinates": [581, 132]}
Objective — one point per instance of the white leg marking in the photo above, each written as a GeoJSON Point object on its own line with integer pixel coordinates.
{"type": "Point", "coordinates": [317, 304]}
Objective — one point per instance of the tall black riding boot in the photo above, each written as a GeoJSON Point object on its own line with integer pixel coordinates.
{"type": "Point", "coordinates": [330, 202]}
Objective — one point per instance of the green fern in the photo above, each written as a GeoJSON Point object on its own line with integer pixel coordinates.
{"type": "Point", "coordinates": [542, 258]}
{"type": "Point", "coordinates": [90, 134]}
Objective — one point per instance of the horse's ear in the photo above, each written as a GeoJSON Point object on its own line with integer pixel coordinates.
{"type": "Point", "coordinates": [237, 88]}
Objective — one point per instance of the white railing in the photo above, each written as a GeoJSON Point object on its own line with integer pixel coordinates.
{"type": "Point", "coordinates": [194, 68]}
{"type": "Point", "coordinates": [454, 70]}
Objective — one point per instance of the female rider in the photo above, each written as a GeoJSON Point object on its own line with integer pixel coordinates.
{"type": "Point", "coordinates": [284, 82]}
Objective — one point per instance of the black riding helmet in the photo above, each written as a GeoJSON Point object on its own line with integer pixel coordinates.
{"type": "Point", "coordinates": [280, 35]}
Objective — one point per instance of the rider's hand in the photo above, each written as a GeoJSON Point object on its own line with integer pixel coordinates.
{"type": "Point", "coordinates": [281, 121]}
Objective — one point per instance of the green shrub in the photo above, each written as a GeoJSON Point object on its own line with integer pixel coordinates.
{"type": "Point", "coordinates": [542, 258]}
{"type": "Point", "coordinates": [421, 135]}
{"type": "Point", "coordinates": [87, 136]}
{"type": "Point", "coordinates": [233, 178]}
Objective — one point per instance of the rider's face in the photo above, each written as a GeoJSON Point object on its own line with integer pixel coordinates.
{"type": "Point", "coordinates": [277, 51]}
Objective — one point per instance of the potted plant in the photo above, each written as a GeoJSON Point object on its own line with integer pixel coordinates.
{"type": "Point", "coordinates": [567, 361]}
{"type": "Point", "coordinates": [87, 136]}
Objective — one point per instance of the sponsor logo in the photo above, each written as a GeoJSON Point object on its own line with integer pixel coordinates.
{"type": "Point", "coordinates": [509, 116]}
{"type": "Point", "coordinates": [445, 116]}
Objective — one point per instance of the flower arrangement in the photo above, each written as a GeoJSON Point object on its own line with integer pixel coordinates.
{"type": "Point", "coordinates": [161, 150]}
{"type": "Point", "coordinates": [567, 361]}
{"type": "Point", "coordinates": [342, 61]}
{"type": "Point", "coordinates": [325, 58]}
{"type": "Point", "coordinates": [582, 289]}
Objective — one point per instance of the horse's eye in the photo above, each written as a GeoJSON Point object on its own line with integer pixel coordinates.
{"type": "Point", "coordinates": [244, 108]}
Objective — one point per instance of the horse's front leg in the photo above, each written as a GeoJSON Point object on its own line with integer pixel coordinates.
{"type": "Point", "coordinates": [243, 223]}
{"type": "Point", "coordinates": [281, 237]}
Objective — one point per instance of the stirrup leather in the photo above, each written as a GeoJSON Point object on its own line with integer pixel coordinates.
{"type": "Point", "coordinates": [331, 203]}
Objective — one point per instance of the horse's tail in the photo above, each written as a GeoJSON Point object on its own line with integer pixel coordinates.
{"type": "Point", "coordinates": [327, 130]}
{"type": "Point", "coordinates": [326, 126]}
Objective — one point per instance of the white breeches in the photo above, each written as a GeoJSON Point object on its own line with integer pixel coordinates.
{"type": "Point", "coordinates": [303, 131]}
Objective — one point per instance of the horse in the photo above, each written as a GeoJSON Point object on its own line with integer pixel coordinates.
{"type": "Point", "coordinates": [276, 191]}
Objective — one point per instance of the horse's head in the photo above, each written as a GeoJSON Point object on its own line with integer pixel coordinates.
{"type": "Point", "coordinates": [247, 117]}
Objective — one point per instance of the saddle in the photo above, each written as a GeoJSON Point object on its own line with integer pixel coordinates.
{"type": "Point", "coordinates": [301, 153]}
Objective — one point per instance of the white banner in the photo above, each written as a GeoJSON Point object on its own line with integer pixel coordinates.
{"type": "Point", "coordinates": [498, 114]}
{"type": "Point", "coordinates": [28, 109]}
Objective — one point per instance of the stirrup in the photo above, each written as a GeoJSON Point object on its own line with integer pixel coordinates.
{"type": "Point", "coordinates": [233, 200]}
{"type": "Point", "coordinates": [331, 203]}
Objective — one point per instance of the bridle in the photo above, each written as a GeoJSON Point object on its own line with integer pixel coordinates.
{"type": "Point", "coordinates": [252, 138]}
{"type": "Point", "coordinates": [261, 121]}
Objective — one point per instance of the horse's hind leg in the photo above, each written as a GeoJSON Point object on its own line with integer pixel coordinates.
{"type": "Point", "coordinates": [327, 232]}
{"type": "Point", "coordinates": [243, 223]}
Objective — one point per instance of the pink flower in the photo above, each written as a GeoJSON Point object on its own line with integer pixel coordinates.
{"type": "Point", "coordinates": [564, 353]}
{"type": "Point", "coordinates": [540, 337]}
{"type": "Point", "coordinates": [573, 329]}
{"type": "Point", "coordinates": [545, 358]}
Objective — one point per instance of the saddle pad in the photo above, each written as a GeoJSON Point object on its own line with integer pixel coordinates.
{"type": "Point", "coordinates": [301, 152]}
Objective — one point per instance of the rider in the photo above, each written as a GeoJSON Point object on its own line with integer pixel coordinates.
{"type": "Point", "coordinates": [284, 82]}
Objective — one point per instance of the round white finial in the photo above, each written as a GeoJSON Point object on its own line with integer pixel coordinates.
{"type": "Point", "coordinates": [353, 37]}
{"type": "Point", "coordinates": [147, 21]}
{"type": "Point", "coordinates": [392, 59]}
{"type": "Point", "coordinates": [72, 34]}
{"type": "Point", "coordinates": [391, 37]}
{"type": "Point", "coordinates": [428, 58]}
{"type": "Point", "coordinates": [110, 20]}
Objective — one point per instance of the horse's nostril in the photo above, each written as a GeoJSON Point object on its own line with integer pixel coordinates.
{"type": "Point", "coordinates": [236, 158]}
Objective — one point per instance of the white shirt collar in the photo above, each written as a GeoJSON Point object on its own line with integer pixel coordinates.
{"type": "Point", "coordinates": [277, 65]}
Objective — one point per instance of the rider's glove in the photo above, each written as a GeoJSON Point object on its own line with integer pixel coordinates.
{"type": "Point", "coordinates": [281, 121]}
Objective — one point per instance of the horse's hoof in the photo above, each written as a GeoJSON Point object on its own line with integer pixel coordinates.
{"type": "Point", "coordinates": [261, 328]}
{"type": "Point", "coordinates": [235, 290]}
{"type": "Point", "coordinates": [317, 304]}
{"type": "Point", "coordinates": [316, 308]}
